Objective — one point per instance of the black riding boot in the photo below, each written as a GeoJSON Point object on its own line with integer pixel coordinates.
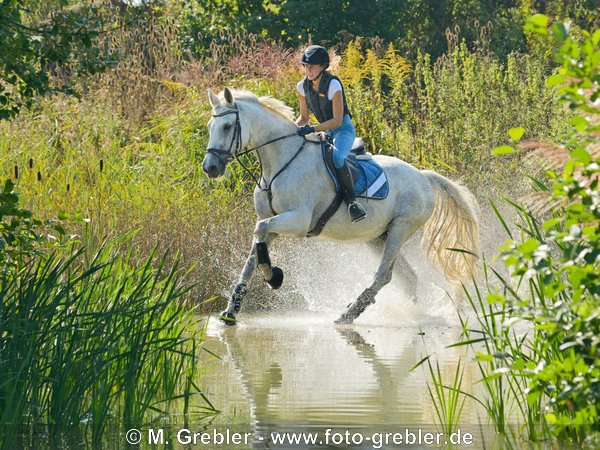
{"type": "Point", "coordinates": [355, 210]}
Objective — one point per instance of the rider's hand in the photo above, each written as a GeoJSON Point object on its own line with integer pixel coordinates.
{"type": "Point", "coordinates": [306, 129]}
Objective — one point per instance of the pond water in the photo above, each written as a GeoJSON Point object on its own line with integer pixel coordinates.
{"type": "Point", "coordinates": [295, 370]}
{"type": "Point", "coordinates": [291, 372]}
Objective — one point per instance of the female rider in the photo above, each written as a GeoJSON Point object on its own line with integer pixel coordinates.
{"type": "Point", "coordinates": [322, 93]}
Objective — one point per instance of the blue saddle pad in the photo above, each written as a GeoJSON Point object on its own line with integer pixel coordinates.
{"type": "Point", "coordinates": [372, 182]}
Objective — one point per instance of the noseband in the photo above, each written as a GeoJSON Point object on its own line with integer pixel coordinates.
{"type": "Point", "coordinates": [227, 155]}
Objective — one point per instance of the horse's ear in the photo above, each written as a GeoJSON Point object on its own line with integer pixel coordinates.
{"type": "Point", "coordinates": [213, 99]}
{"type": "Point", "coordinates": [228, 96]}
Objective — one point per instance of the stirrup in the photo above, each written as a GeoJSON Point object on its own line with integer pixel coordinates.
{"type": "Point", "coordinates": [356, 212]}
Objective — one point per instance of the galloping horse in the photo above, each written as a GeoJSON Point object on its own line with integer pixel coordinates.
{"type": "Point", "coordinates": [295, 189]}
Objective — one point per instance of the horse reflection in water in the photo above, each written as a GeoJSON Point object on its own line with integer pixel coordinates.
{"type": "Point", "coordinates": [309, 376]}
{"type": "Point", "coordinates": [294, 191]}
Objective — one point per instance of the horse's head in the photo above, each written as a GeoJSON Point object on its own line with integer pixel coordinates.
{"type": "Point", "coordinates": [225, 134]}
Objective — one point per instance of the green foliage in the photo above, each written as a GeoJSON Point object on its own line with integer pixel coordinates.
{"type": "Point", "coordinates": [561, 261]}
{"type": "Point", "coordinates": [413, 26]}
{"type": "Point", "coordinates": [104, 342]}
{"type": "Point", "coordinates": [33, 46]}
{"type": "Point", "coordinates": [17, 234]}
{"type": "Point", "coordinates": [551, 374]}
{"type": "Point", "coordinates": [22, 236]}
{"type": "Point", "coordinates": [50, 46]}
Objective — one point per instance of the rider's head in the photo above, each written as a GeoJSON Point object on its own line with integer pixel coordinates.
{"type": "Point", "coordinates": [315, 60]}
{"type": "Point", "coordinates": [315, 55]}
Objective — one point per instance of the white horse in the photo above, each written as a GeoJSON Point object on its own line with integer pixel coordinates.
{"type": "Point", "coordinates": [295, 189]}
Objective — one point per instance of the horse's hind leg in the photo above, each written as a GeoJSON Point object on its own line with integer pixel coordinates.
{"type": "Point", "coordinates": [397, 234]}
{"type": "Point", "coordinates": [401, 268]}
{"type": "Point", "coordinates": [409, 277]}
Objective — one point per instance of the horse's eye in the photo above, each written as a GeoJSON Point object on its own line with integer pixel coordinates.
{"type": "Point", "coordinates": [227, 127]}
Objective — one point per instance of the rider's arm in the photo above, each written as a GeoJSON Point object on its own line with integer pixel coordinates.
{"type": "Point", "coordinates": [338, 114]}
{"type": "Point", "coordinates": [304, 117]}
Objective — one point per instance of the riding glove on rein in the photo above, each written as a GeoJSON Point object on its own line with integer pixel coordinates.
{"type": "Point", "coordinates": [306, 129]}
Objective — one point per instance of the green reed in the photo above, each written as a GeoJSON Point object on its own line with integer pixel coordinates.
{"type": "Point", "coordinates": [448, 399]}
{"type": "Point", "coordinates": [99, 342]}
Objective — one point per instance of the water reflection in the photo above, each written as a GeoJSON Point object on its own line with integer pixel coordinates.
{"type": "Point", "coordinates": [300, 372]}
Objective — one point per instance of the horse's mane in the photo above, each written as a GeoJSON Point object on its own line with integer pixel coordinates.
{"type": "Point", "coordinates": [267, 101]}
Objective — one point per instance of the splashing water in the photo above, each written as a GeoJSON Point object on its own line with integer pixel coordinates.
{"type": "Point", "coordinates": [328, 276]}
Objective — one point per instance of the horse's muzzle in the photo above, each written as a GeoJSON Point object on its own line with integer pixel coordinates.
{"type": "Point", "coordinates": [212, 166]}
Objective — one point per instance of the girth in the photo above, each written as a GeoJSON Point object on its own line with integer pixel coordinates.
{"type": "Point", "coordinates": [358, 148]}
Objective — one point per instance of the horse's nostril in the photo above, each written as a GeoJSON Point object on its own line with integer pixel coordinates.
{"type": "Point", "coordinates": [212, 170]}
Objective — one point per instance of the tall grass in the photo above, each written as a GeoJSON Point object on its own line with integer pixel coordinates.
{"type": "Point", "coordinates": [98, 343]}
{"type": "Point", "coordinates": [537, 336]}
{"type": "Point", "coordinates": [450, 113]}
{"type": "Point", "coordinates": [534, 339]}
{"type": "Point", "coordinates": [144, 124]}
{"type": "Point", "coordinates": [448, 400]}
{"type": "Point", "coordinates": [495, 345]}
{"type": "Point", "coordinates": [151, 181]}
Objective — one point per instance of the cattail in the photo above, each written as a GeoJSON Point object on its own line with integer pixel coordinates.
{"type": "Point", "coordinates": [31, 163]}
{"type": "Point", "coordinates": [16, 172]}
{"type": "Point", "coordinates": [101, 165]}
{"type": "Point", "coordinates": [68, 187]}
{"type": "Point", "coordinates": [39, 176]}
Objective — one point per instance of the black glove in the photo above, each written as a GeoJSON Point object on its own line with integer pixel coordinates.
{"type": "Point", "coordinates": [306, 129]}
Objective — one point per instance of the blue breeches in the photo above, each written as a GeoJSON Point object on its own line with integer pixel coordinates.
{"type": "Point", "coordinates": [343, 138]}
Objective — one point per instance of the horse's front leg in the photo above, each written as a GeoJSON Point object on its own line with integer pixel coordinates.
{"type": "Point", "coordinates": [289, 223]}
{"type": "Point", "coordinates": [240, 289]}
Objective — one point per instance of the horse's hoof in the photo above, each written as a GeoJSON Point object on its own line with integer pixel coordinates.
{"type": "Point", "coordinates": [344, 319]}
{"type": "Point", "coordinates": [276, 279]}
{"type": "Point", "coordinates": [228, 318]}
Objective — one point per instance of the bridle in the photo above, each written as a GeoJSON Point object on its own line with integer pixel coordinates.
{"type": "Point", "coordinates": [227, 155]}
{"type": "Point", "coordinates": [223, 155]}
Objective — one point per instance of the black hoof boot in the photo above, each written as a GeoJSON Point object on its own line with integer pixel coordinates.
{"type": "Point", "coordinates": [228, 318]}
{"type": "Point", "coordinates": [276, 279]}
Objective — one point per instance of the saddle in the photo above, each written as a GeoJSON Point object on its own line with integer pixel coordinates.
{"type": "Point", "coordinates": [358, 149]}
{"type": "Point", "coordinates": [369, 179]}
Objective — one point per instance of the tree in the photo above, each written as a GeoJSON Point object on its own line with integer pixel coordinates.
{"type": "Point", "coordinates": [38, 38]}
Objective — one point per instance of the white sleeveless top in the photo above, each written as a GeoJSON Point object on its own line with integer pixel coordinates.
{"type": "Point", "coordinates": [334, 87]}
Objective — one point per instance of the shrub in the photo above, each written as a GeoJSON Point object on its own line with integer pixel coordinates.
{"type": "Point", "coordinates": [552, 373]}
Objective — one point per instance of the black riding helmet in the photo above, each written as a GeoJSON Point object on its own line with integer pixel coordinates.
{"type": "Point", "coordinates": [315, 54]}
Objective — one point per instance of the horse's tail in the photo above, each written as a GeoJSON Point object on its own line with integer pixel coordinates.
{"type": "Point", "coordinates": [451, 234]}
